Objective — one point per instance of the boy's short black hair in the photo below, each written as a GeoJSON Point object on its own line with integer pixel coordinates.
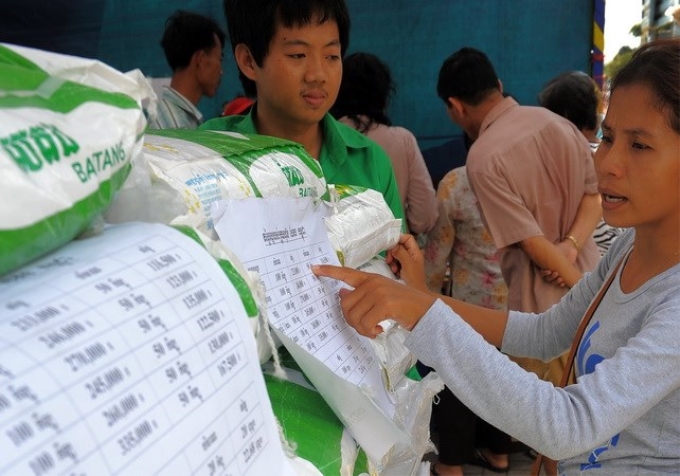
{"type": "Point", "coordinates": [254, 23]}
{"type": "Point", "coordinates": [186, 33]}
{"type": "Point", "coordinates": [467, 75]}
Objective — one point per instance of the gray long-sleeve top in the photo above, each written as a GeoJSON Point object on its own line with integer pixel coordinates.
{"type": "Point", "coordinates": [622, 416]}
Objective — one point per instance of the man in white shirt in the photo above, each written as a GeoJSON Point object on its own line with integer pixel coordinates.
{"type": "Point", "coordinates": [193, 46]}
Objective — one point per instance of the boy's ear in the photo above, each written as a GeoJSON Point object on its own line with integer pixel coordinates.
{"type": "Point", "coordinates": [245, 61]}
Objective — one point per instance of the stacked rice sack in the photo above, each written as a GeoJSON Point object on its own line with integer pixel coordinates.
{"type": "Point", "coordinates": [74, 152]}
{"type": "Point", "coordinates": [65, 149]}
{"type": "Point", "coordinates": [181, 172]}
{"type": "Point", "coordinates": [361, 225]}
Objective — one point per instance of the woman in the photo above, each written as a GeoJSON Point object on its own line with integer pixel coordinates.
{"type": "Point", "coordinates": [365, 94]}
{"type": "Point", "coordinates": [622, 414]}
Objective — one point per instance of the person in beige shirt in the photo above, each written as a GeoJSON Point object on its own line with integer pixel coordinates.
{"type": "Point", "coordinates": [533, 175]}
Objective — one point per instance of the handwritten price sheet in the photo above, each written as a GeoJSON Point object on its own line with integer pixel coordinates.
{"type": "Point", "coordinates": [131, 353]}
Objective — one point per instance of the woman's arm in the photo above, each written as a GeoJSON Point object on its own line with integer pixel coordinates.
{"type": "Point", "coordinates": [376, 298]}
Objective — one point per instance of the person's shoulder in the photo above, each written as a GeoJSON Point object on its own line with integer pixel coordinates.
{"type": "Point", "coordinates": [349, 135]}
{"type": "Point", "coordinates": [404, 134]}
{"type": "Point", "coordinates": [356, 142]}
{"type": "Point", "coordinates": [227, 123]}
{"type": "Point", "coordinates": [482, 158]}
{"type": "Point", "coordinates": [545, 116]}
{"type": "Point", "coordinates": [619, 248]}
{"type": "Point", "coordinates": [455, 178]}
{"type": "Point", "coordinates": [402, 131]}
{"type": "Point", "coordinates": [543, 122]}
{"type": "Point", "coordinates": [624, 241]}
{"type": "Point", "coordinates": [164, 117]}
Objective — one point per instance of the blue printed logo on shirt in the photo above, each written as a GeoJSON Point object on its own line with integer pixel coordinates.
{"type": "Point", "coordinates": [586, 364]}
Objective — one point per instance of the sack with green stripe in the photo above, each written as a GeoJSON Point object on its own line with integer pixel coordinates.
{"type": "Point", "coordinates": [251, 289]}
{"type": "Point", "coordinates": [312, 429]}
{"type": "Point", "coordinates": [65, 149]}
{"type": "Point", "coordinates": [181, 172]}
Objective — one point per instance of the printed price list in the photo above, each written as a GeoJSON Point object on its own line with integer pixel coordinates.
{"type": "Point", "coordinates": [132, 363]}
{"type": "Point", "coordinates": [308, 311]}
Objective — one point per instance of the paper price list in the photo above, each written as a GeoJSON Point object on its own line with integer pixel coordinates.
{"type": "Point", "coordinates": [121, 365]}
{"type": "Point", "coordinates": [308, 311]}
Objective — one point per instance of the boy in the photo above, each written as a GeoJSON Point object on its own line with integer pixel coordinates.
{"type": "Point", "coordinates": [289, 55]}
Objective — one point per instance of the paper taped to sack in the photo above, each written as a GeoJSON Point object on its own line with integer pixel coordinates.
{"type": "Point", "coordinates": [285, 237]}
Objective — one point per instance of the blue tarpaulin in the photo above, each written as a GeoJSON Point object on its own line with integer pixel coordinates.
{"type": "Point", "coordinates": [529, 41]}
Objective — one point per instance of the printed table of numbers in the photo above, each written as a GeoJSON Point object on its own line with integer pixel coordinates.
{"type": "Point", "coordinates": [132, 360]}
{"type": "Point", "coordinates": [282, 239]}
{"type": "Point", "coordinates": [305, 309]}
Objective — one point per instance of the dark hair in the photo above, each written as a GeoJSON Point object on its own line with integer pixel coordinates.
{"type": "Point", "coordinates": [657, 66]}
{"type": "Point", "coordinates": [467, 75]}
{"type": "Point", "coordinates": [186, 33]}
{"type": "Point", "coordinates": [254, 23]}
{"type": "Point", "coordinates": [573, 95]}
{"type": "Point", "coordinates": [366, 89]}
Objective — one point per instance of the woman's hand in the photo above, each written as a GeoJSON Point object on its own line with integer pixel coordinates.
{"type": "Point", "coordinates": [568, 249]}
{"type": "Point", "coordinates": [407, 262]}
{"type": "Point", "coordinates": [376, 298]}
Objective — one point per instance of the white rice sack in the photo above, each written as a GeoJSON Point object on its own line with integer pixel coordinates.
{"type": "Point", "coordinates": [395, 358]}
{"type": "Point", "coordinates": [88, 71]}
{"type": "Point", "coordinates": [131, 353]}
{"type": "Point", "coordinates": [65, 149]}
{"type": "Point", "coordinates": [181, 172]}
{"type": "Point", "coordinates": [361, 225]}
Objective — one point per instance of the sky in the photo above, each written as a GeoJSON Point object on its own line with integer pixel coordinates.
{"type": "Point", "coordinates": [619, 17]}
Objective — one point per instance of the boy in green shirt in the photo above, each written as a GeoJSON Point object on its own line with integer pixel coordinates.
{"type": "Point", "coordinates": [289, 56]}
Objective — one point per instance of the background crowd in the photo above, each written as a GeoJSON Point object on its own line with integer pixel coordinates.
{"type": "Point", "coordinates": [513, 229]}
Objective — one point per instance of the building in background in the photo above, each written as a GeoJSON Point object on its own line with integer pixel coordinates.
{"type": "Point", "coordinates": [660, 19]}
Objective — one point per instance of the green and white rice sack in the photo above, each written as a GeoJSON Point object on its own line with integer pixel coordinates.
{"type": "Point", "coordinates": [181, 172]}
{"type": "Point", "coordinates": [65, 149]}
{"type": "Point", "coordinates": [361, 224]}
{"type": "Point", "coordinates": [313, 430]}
{"type": "Point", "coordinates": [251, 290]}
{"type": "Point", "coordinates": [87, 71]}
